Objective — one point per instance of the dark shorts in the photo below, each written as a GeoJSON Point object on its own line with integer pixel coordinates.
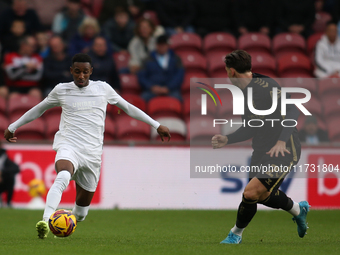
{"type": "Point", "coordinates": [271, 171]}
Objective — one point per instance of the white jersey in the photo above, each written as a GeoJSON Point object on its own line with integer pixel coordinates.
{"type": "Point", "coordinates": [83, 115]}
{"type": "Point", "coordinates": [82, 120]}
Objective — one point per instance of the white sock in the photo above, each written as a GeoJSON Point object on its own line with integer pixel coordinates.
{"type": "Point", "coordinates": [80, 212]}
{"type": "Point", "coordinates": [295, 211]}
{"type": "Point", "coordinates": [237, 231]}
{"type": "Point", "coordinates": [54, 194]}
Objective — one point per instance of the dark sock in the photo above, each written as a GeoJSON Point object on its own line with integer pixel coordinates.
{"type": "Point", "coordinates": [246, 212]}
{"type": "Point", "coordinates": [278, 200]}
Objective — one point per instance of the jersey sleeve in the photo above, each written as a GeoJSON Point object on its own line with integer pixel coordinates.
{"type": "Point", "coordinates": [52, 98]}
{"type": "Point", "coordinates": [111, 95]}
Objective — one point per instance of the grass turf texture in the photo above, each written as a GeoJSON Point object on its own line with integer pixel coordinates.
{"type": "Point", "coordinates": [171, 232]}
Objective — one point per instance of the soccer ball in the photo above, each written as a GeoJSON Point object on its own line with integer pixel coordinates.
{"type": "Point", "coordinates": [62, 223]}
{"type": "Point", "coordinates": [36, 188]}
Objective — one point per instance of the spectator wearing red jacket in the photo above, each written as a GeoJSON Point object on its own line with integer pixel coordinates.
{"type": "Point", "coordinates": [24, 68]}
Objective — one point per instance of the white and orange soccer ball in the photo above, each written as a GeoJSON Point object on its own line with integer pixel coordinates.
{"type": "Point", "coordinates": [62, 223]}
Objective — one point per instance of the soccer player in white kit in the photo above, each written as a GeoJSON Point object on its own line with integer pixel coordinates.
{"type": "Point", "coordinates": [79, 141]}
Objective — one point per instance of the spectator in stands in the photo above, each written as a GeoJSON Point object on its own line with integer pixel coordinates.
{"type": "Point", "coordinates": [66, 23]}
{"type": "Point", "coordinates": [56, 65]}
{"type": "Point", "coordinates": [24, 68]}
{"type": "Point", "coordinates": [104, 68]}
{"type": "Point", "coordinates": [311, 134]}
{"type": "Point", "coordinates": [11, 41]}
{"type": "Point", "coordinates": [46, 10]}
{"type": "Point", "coordinates": [248, 20]}
{"type": "Point", "coordinates": [19, 11]}
{"type": "Point", "coordinates": [176, 16]}
{"type": "Point", "coordinates": [134, 7]}
{"type": "Point", "coordinates": [212, 16]}
{"type": "Point", "coordinates": [327, 53]}
{"type": "Point", "coordinates": [82, 41]}
{"type": "Point", "coordinates": [8, 170]}
{"type": "Point", "coordinates": [119, 30]}
{"type": "Point", "coordinates": [296, 16]}
{"type": "Point", "coordinates": [42, 43]}
{"type": "Point", "coordinates": [141, 44]}
{"type": "Point", "coordinates": [162, 73]}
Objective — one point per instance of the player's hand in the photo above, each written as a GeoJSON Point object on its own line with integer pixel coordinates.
{"type": "Point", "coordinates": [279, 147]}
{"type": "Point", "coordinates": [218, 141]}
{"type": "Point", "coordinates": [163, 131]}
{"type": "Point", "coordinates": [10, 136]}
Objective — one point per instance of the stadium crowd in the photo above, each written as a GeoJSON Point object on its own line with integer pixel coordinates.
{"type": "Point", "coordinates": [148, 50]}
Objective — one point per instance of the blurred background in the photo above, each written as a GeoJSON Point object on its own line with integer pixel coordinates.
{"type": "Point", "coordinates": [148, 51]}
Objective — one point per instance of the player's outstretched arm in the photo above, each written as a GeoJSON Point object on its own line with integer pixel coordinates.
{"type": "Point", "coordinates": [138, 114]}
{"type": "Point", "coordinates": [10, 136]}
{"type": "Point", "coordinates": [218, 141]}
{"type": "Point", "coordinates": [163, 132]}
{"type": "Point", "coordinates": [29, 116]}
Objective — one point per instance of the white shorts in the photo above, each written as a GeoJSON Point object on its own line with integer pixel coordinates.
{"type": "Point", "coordinates": [86, 167]}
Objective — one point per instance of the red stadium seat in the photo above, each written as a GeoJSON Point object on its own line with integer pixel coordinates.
{"type": "Point", "coordinates": [187, 77]}
{"type": "Point", "coordinates": [320, 23]}
{"type": "Point", "coordinates": [177, 128]}
{"type": "Point", "coordinates": [128, 129]}
{"type": "Point", "coordinates": [192, 105]}
{"type": "Point", "coordinates": [312, 41]}
{"type": "Point", "coordinates": [194, 62]}
{"type": "Point", "coordinates": [331, 105]}
{"type": "Point", "coordinates": [263, 63]}
{"type": "Point", "coordinates": [255, 42]}
{"type": "Point", "coordinates": [202, 130]}
{"type": "Point", "coordinates": [294, 63]}
{"type": "Point", "coordinates": [216, 65]}
{"type": "Point", "coordinates": [164, 107]}
{"type": "Point", "coordinates": [4, 123]}
{"type": "Point", "coordinates": [151, 15]}
{"type": "Point", "coordinates": [219, 42]}
{"type": "Point", "coordinates": [329, 86]}
{"type": "Point", "coordinates": [300, 82]}
{"type": "Point", "coordinates": [121, 59]}
{"type": "Point", "coordinates": [110, 131]}
{"type": "Point", "coordinates": [288, 42]}
{"type": "Point", "coordinates": [333, 129]}
{"type": "Point", "coordinates": [52, 125]}
{"type": "Point", "coordinates": [129, 84]}
{"type": "Point", "coordinates": [186, 42]}
{"type": "Point", "coordinates": [314, 107]}
{"type": "Point", "coordinates": [92, 7]}
{"type": "Point", "coordinates": [34, 130]}
{"type": "Point", "coordinates": [19, 104]}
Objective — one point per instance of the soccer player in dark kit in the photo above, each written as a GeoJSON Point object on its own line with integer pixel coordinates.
{"type": "Point", "coordinates": [274, 146]}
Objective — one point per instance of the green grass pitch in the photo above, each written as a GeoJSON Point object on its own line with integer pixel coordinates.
{"type": "Point", "coordinates": [171, 232]}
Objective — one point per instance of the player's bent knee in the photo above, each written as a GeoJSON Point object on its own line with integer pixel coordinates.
{"type": "Point", "coordinates": [251, 194]}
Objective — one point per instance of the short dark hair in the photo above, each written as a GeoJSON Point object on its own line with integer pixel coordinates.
{"type": "Point", "coordinates": [162, 39]}
{"type": "Point", "coordinates": [82, 58]}
{"type": "Point", "coordinates": [240, 60]}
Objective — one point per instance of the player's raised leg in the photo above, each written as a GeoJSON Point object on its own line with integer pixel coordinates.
{"type": "Point", "coordinates": [246, 210]}
{"type": "Point", "coordinates": [82, 205]}
{"type": "Point", "coordinates": [65, 170]}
